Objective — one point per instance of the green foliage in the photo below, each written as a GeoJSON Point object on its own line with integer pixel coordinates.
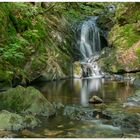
{"type": "Point", "coordinates": [126, 32]}
{"type": "Point", "coordinates": [138, 53]}
{"type": "Point", "coordinates": [23, 31]}
{"type": "Point", "coordinates": [37, 37]}
{"type": "Point", "coordinates": [14, 51]}
{"type": "Point", "coordinates": [124, 36]}
{"type": "Point", "coordinates": [127, 13]}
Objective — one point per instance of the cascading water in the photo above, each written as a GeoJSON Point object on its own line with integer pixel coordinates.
{"type": "Point", "coordinates": [90, 47]}
{"type": "Point", "coordinates": [90, 38]}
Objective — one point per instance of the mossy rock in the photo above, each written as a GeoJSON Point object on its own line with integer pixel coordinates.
{"type": "Point", "coordinates": [26, 100]}
{"type": "Point", "coordinates": [13, 121]}
{"type": "Point", "coordinates": [77, 70]}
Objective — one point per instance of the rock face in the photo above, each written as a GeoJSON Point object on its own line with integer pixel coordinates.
{"type": "Point", "coordinates": [26, 100]}
{"type": "Point", "coordinates": [13, 121]}
{"type": "Point", "coordinates": [95, 100]}
{"type": "Point", "coordinates": [124, 40]}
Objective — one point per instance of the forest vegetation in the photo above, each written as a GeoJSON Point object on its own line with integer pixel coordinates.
{"type": "Point", "coordinates": [38, 41]}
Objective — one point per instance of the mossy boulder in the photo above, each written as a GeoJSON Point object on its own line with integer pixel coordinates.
{"type": "Point", "coordinates": [13, 121]}
{"type": "Point", "coordinates": [26, 100]}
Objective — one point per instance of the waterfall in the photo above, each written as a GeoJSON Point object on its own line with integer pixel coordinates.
{"type": "Point", "coordinates": [90, 47]}
{"type": "Point", "coordinates": [90, 38]}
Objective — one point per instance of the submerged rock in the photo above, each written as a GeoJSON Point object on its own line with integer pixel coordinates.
{"type": "Point", "coordinates": [77, 113]}
{"type": "Point", "coordinates": [26, 100]}
{"type": "Point", "coordinates": [13, 121]}
{"type": "Point", "coordinates": [126, 120]}
{"type": "Point", "coordinates": [133, 101]}
{"type": "Point", "coordinates": [95, 100]}
{"type": "Point", "coordinates": [58, 105]}
{"type": "Point", "coordinates": [84, 113]}
{"type": "Point", "coordinates": [136, 82]}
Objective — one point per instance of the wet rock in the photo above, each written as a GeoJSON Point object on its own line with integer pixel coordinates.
{"type": "Point", "coordinates": [26, 100]}
{"type": "Point", "coordinates": [126, 120]}
{"type": "Point", "coordinates": [95, 100]}
{"type": "Point", "coordinates": [58, 105]}
{"type": "Point", "coordinates": [83, 113]}
{"type": "Point", "coordinates": [133, 101]}
{"type": "Point", "coordinates": [136, 82]}
{"type": "Point", "coordinates": [13, 121]}
{"type": "Point", "coordinates": [7, 134]}
{"type": "Point", "coordinates": [78, 113]}
{"type": "Point", "coordinates": [29, 134]}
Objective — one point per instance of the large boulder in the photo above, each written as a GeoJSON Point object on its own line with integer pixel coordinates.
{"type": "Point", "coordinates": [26, 100]}
{"type": "Point", "coordinates": [13, 121]}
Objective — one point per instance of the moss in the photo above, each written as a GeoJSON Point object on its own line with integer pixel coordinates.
{"type": "Point", "coordinates": [123, 37]}
{"type": "Point", "coordinates": [26, 100]}
{"type": "Point", "coordinates": [28, 39]}
{"type": "Point", "coordinates": [13, 121]}
{"type": "Point", "coordinates": [138, 53]}
{"type": "Point", "coordinates": [77, 70]}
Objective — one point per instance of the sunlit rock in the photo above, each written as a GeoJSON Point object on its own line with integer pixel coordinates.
{"type": "Point", "coordinates": [95, 99]}
{"type": "Point", "coordinates": [77, 70]}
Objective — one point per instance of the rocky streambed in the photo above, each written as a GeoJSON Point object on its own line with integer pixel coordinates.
{"type": "Point", "coordinates": [26, 112]}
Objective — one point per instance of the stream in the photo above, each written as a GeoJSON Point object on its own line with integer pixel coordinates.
{"type": "Point", "coordinates": [73, 95]}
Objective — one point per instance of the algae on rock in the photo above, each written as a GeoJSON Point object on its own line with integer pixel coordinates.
{"type": "Point", "coordinates": [13, 121]}
{"type": "Point", "coordinates": [26, 100]}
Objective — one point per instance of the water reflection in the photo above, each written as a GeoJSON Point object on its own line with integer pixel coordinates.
{"type": "Point", "coordinates": [86, 87]}
{"type": "Point", "coordinates": [78, 91]}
